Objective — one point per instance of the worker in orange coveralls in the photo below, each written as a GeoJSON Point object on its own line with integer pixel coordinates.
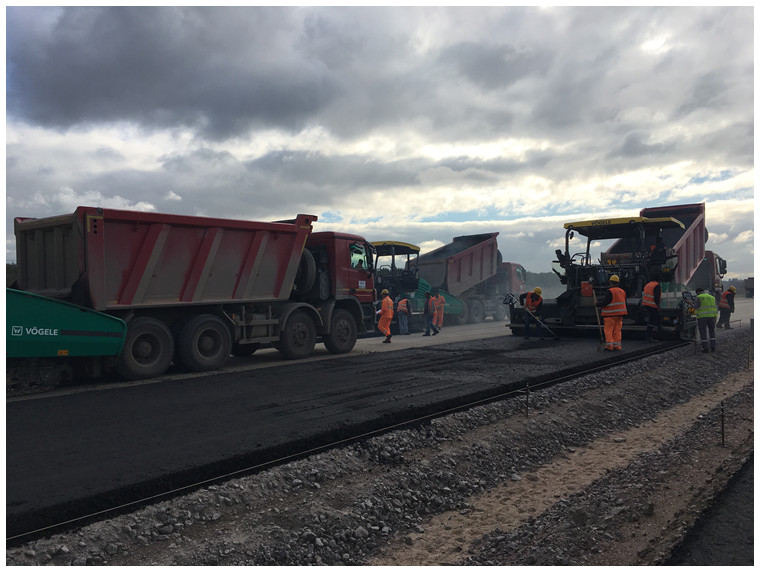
{"type": "Point", "coordinates": [439, 303]}
{"type": "Point", "coordinates": [613, 309]}
{"type": "Point", "coordinates": [386, 312]}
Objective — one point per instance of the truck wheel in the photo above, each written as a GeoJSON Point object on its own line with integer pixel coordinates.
{"type": "Point", "coordinates": [203, 343]}
{"type": "Point", "coordinates": [298, 337]}
{"type": "Point", "coordinates": [476, 311]}
{"type": "Point", "coordinates": [462, 318]}
{"type": "Point", "coordinates": [500, 311]}
{"type": "Point", "coordinates": [243, 349]}
{"type": "Point", "coordinates": [343, 333]}
{"type": "Point", "coordinates": [147, 351]}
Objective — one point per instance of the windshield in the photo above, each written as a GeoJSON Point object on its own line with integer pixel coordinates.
{"type": "Point", "coordinates": [358, 256]}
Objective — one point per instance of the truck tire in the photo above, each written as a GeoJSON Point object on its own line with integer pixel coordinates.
{"type": "Point", "coordinates": [147, 351]}
{"type": "Point", "coordinates": [203, 343]}
{"type": "Point", "coordinates": [298, 337]}
{"type": "Point", "coordinates": [343, 333]}
{"type": "Point", "coordinates": [500, 312]}
{"type": "Point", "coordinates": [476, 311]}
{"type": "Point", "coordinates": [243, 349]}
{"type": "Point", "coordinates": [462, 318]}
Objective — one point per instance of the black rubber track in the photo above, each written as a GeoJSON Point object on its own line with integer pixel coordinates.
{"type": "Point", "coordinates": [74, 455]}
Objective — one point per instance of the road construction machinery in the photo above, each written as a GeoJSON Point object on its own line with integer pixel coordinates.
{"type": "Point", "coordinates": [665, 244]}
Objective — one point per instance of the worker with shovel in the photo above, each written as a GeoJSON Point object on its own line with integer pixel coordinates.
{"type": "Point", "coordinates": [532, 303]}
{"type": "Point", "coordinates": [613, 309]}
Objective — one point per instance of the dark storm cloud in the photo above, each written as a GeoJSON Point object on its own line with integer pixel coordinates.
{"type": "Point", "coordinates": [225, 71]}
{"type": "Point", "coordinates": [221, 71]}
{"type": "Point", "coordinates": [708, 92]}
{"type": "Point", "coordinates": [636, 145]}
{"type": "Point", "coordinates": [335, 174]}
{"type": "Point", "coordinates": [494, 67]}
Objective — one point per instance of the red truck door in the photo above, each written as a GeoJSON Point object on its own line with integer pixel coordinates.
{"type": "Point", "coordinates": [359, 272]}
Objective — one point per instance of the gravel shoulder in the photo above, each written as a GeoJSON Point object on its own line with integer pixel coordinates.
{"type": "Point", "coordinates": [609, 469]}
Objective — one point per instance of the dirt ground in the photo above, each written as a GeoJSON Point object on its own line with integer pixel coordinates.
{"type": "Point", "coordinates": [505, 508]}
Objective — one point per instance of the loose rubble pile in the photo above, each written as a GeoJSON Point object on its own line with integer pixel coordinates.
{"type": "Point", "coordinates": [343, 507]}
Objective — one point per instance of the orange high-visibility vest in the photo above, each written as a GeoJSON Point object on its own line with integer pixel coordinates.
{"type": "Point", "coordinates": [387, 307]}
{"type": "Point", "coordinates": [439, 302]}
{"type": "Point", "coordinates": [402, 306]}
{"type": "Point", "coordinates": [724, 303]}
{"type": "Point", "coordinates": [648, 298]}
{"type": "Point", "coordinates": [531, 305]}
{"type": "Point", "coordinates": [617, 306]}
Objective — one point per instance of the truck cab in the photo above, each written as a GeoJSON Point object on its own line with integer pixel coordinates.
{"type": "Point", "coordinates": [344, 278]}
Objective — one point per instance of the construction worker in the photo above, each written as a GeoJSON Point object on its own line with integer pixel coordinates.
{"type": "Point", "coordinates": [726, 307]}
{"type": "Point", "coordinates": [613, 309]}
{"type": "Point", "coordinates": [706, 317]}
{"type": "Point", "coordinates": [386, 312]}
{"type": "Point", "coordinates": [651, 301]}
{"type": "Point", "coordinates": [402, 314]}
{"type": "Point", "coordinates": [658, 252]}
{"type": "Point", "coordinates": [439, 303]}
{"type": "Point", "coordinates": [429, 312]}
{"type": "Point", "coordinates": [532, 303]}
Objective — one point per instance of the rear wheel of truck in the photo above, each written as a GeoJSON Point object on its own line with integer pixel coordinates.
{"type": "Point", "coordinates": [476, 311]}
{"type": "Point", "coordinates": [461, 318]}
{"type": "Point", "coordinates": [243, 349]}
{"type": "Point", "coordinates": [343, 333]}
{"type": "Point", "coordinates": [298, 337]}
{"type": "Point", "coordinates": [147, 351]}
{"type": "Point", "coordinates": [500, 311]}
{"type": "Point", "coordinates": [203, 343]}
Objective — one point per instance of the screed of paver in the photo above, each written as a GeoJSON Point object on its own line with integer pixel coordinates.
{"type": "Point", "coordinates": [446, 537]}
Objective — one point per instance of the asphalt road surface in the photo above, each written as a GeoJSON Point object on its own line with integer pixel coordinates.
{"type": "Point", "coordinates": [65, 451]}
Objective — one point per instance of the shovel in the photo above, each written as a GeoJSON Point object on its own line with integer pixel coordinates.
{"type": "Point", "coordinates": [516, 302]}
{"type": "Point", "coordinates": [601, 345]}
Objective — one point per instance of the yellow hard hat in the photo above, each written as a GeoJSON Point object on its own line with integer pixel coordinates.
{"type": "Point", "coordinates": [537, 291]}
{"type": "Point", "coordinates": [614, 279]}
{"type": "Point", "coordinates": [385, 292]}
{"type": "Point", "coordinates": [733, 289]}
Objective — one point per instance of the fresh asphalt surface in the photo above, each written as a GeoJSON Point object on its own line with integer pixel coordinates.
{"type": "Point", "coordinates": [83, 449]}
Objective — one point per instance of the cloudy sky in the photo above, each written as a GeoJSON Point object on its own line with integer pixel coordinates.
{"type": "Point", "coordinates": [413, 124]}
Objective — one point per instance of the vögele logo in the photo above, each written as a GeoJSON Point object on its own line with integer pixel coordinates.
{"type": "Point", "coordinates": [17, 331]}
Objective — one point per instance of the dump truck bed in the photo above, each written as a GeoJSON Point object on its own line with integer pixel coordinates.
{"type": "Point", "coordinates": [112, 260]}
{"type": "Point", "coordinates": [462, 264]}
{"type": "Point", "coordinates": [688, 243]}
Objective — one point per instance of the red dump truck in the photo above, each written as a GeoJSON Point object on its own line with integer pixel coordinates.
{"type": "Point", "coordinates": [471, 268]}
{"type": "Point", "coordinates": [194, 290]}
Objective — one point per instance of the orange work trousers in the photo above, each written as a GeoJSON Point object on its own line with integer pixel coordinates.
{"type": "Point", "coordinates": [613, 332]}
{"type": "Point", "coordinates": [384, 322]}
